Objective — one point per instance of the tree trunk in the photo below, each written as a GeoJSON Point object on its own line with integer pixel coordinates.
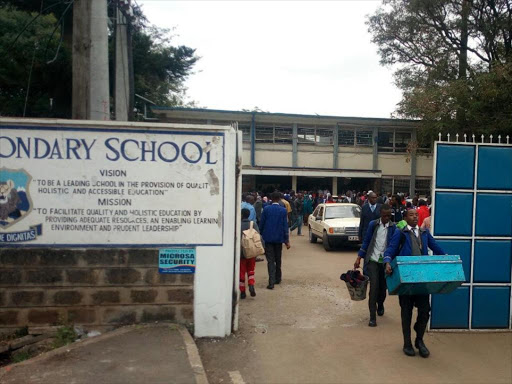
{"type": "Point", "coordinates": [463, 63]}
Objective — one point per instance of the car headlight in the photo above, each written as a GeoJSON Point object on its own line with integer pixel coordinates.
{"type": "Point", "coordinates": [337, 230]}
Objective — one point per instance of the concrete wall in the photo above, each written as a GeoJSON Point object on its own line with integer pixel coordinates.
{"type": "Point", "coordinates": [394, 165]}
{"type": "Point", "coordinates": [347, 160]}
{"type": "Point", "coordinates": [273, 155]}
{"type": "Point", "coordinates": [312, 156]}
{"type": "Point", "coordinates": [424, 166]}
{"type": "Point", "coordinates": [100, 287]}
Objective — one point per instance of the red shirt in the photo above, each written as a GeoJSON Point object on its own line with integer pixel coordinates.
{"type": "Point", "coordinates": [423, 213]}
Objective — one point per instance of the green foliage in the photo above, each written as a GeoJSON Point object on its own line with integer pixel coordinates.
{"type": "Point", "coordinates": [20, 356]}
{"type": "Point", "coordinates": [36, 44]}
{"type": "Point", "coordinates": [65, 335]}
{"type": "Point", "coordinates": [160, 68]}
{"type": "Point", "coordinates": [452, 60]}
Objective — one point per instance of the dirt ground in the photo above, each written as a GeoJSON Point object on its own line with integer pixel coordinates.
{"type": "Point", "coordinates": [307, 330]}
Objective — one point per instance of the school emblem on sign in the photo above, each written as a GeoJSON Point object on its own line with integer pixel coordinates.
{"type": "Point", "coordinates": [15, 204]}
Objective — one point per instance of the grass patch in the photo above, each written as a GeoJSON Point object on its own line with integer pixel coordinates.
{"type": "Point", "coordinates": [65, 335]}
{"type": "Point", "coordinates": [20, 356]}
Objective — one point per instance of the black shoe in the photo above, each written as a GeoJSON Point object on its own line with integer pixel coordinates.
{"type": "Point", "coordinates": [409, 350]}
{"type": "Point", "coordinates": [270, 286]}
{"type": "Point", "coordinates": [424, 352]}
{"type": "Point", "coordinates": [372, 323]}
{"type": "Point", "coordinates": [380, 310]}
{"type": "Point", "coordinates": [251, 289]}
{"type": "Point", "coordinates": [243, 295]}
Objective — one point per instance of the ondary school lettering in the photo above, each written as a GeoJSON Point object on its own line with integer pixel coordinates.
{"type": "Point", "coordinates": [115, 150]}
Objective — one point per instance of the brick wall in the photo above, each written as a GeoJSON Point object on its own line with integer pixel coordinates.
{"type": "Point", "coordinates": [100, 287]}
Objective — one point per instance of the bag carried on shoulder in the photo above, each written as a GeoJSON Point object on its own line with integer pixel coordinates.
{"type": "Point", "coordinates": [251, 243]}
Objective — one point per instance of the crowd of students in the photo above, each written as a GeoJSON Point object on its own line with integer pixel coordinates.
{"type": "Point", "coordinates": [390, 226]}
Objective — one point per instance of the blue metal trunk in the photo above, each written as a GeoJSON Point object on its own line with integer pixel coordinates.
{"type": "Point", "coordinates": [423, 275]}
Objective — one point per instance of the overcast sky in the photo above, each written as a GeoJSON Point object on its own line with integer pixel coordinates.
{"type": "Point", "coordinates": [282, 56]}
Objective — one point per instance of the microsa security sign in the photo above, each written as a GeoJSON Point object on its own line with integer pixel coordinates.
{"type": "Point", "coordinates": [100, 187]}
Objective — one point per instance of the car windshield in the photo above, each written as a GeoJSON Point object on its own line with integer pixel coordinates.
{"type": "Point", "coordinates": [342, 212]}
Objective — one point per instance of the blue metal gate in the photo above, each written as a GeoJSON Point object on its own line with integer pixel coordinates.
{"type": "Point", "coordinates": [472, 217]}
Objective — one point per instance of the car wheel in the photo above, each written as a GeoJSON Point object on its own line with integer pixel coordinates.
{"type": "Point", "coordinates": [325, 241]}
{"type": "Point", "coordinates": [312, 238]}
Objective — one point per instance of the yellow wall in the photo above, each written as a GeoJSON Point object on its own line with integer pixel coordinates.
{"type": "Point", "coordinates": [273, 158]}
{"type": "Point", "coordinates": [355, 161]}
{"type": "Point", "coordinates": [424, 166]}
{"type": "Point", "coordinates": [394, 165]}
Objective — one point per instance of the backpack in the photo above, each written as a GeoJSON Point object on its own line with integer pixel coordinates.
{"type": "Point", "coordinates": [251, 243]}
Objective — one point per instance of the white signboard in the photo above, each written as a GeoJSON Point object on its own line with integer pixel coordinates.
{"type": "Point", "coordinates": [81, 187]}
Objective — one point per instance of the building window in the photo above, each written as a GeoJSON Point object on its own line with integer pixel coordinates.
{"type": "Point", "coordinates": [402, 140]}
{"type": "Point", "coordinates": [364, 138]}
{"type": "Point", "coordinates": [264, 134]}
{"type": "Point", "coordinates": [246, 130]}
{"type": "Point", "coordinates": [393, 140]}
{"type": "Point", "coordinates": [282, 134]}
{"type": "Point", "coordinates": [306, 135]}
{"type": "Point", "coordinates": [402, 185]}
{"type": "Point", "coordinates": [386, 186]}
{"type": "Point", "coordinates": [423, 187]}
{"type": "Point", "coordinates": [385, 141]}
{"type": "Point", "coordinates": [324, 136]}
{"type": "Point", "coordinates": [346, 137]}
{"type": "Point", "coordinates": [277, 134]}
{"type": "Point", "coordinates": [315, 135]}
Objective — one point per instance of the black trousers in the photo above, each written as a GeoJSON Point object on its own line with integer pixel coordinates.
{"type": "Point", "coordinates": [377, 287]}
{"type": "Point", "coordinates": [407, 304]}
{"type": "Point", "coordinates": [273, 253]}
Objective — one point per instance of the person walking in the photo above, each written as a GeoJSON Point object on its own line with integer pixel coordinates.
{"type": "Point", "coordinates": [412, 241]}
{"type": "Point", "coordinates": [377, 238]}
{"type": "Point", "coordinates": [247, 203]}
{"type": "Point", "coordinates": [423, 212]}
{"type": "Point", "coordinates": [247, 266]}
{"type": "Point", "coordinates": [258, 207]}
{"type": "Point", "coordinates": [397, 210]}
{"type": "Point", "coordinates": [274, 230]}
{"type": "Point", "coordinates": [307, 208]}
{"type": "Point", "coordinates": [370, 212]}
{"type": "Point", "coordinates": [298, 205]}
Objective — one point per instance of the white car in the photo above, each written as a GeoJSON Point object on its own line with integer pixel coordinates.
{"type": "Point", "coordinates": [335, 224]}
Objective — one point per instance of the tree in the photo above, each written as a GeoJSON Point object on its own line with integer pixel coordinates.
{"type": "Point", "coordinates": [160, 68]}
{"type": "Point", "coordinates": [32, 61]}
{"type": "Point", "coordinates": [452, 59]}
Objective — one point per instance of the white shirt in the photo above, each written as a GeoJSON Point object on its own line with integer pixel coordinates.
{"type": "Point", "coordinates": [380, 241]}
{"type": "Point", "coordinates": [413, 229]}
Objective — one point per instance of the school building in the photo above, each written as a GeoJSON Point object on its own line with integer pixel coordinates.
{"type": "Point", "coordinates": [308, 152]}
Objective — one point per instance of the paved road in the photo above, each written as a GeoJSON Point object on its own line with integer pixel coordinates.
{"type": "Point", "coordinates": [308, 331]}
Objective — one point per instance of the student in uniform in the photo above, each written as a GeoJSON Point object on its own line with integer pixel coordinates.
{"type": "Point", "coordinates": [412, 241]}
{"type": "Point", "coordinates": [377, 238]}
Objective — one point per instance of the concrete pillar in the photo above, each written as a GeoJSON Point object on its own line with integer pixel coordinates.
{"type": "Point", "coordinates": [122, 74]}
{"type": "Point", "coordinates": [99, 100]}
{"type": "Point", "coordinates": [375, 137]}
{"type": "Point", "coordinates": [295, 140]}
{"type": "Point", "coordinates": [253, 141]}
{"type": "Point", "coordinates": [294, 183]}
{"type": "Point", "coordinates": [334, 186]}
{"type": "Point", "coordinates": [335, 147]}
{"type": "Point", "coordinates": [412, 185]}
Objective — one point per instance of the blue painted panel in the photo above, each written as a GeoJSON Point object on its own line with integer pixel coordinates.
{"type": "Point", "coordinates": [455, 167]}
{"type": "Point", "coordinates": [491, 306]}
{"type": "Point", "coordinates": [423, 275]}
{"type": "Point", "coordinates": [453, 214]}
{"type": "Point", "coordinates": [493, 214]}
{"type": "Point", "coordinates": [451, 310]}
{"type": "Point", "coordinates": [492, 261]}
{"type": "Point", "coordinates": [461, 248]}
{"type": "Point", "coordinates": [494, 168]}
